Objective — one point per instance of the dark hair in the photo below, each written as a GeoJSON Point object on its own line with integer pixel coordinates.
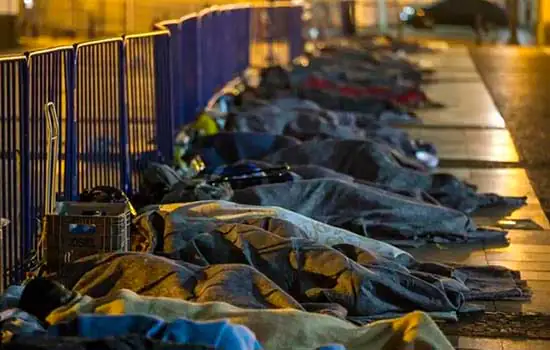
{"type": "Point", "coordinates": [42, 296]}
{"type": "Point", "coordinates": [276, 77]}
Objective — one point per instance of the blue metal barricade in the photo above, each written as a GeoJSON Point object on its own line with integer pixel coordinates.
{"type": "Point", "coordinates": [164, 95]}
{"type": "Point", "coordinates": [149, 100]}
{"type": "Point", "coordinates": [100, 115]}
{"type": "Point", "coordinates": [295, 34]}
{"type": "Point", "coordinates": [221, 36]}
{"type": "Point", "coordinates": [50, 79]}
{"type": "Point", "coordinates": [191, 70]}
{"type": "Point", "coordinates": [14, 160]}
{"type": "Point", "coordinates": [228, 26]}
{"type": "Point", "coordinates": [207, 57]}
{"type": "Point", "coordinates": [231, 36]}
{"type": "Point", "coordinates": [176, 59]}
{"type": "Point", "coordinates": [233, 31]}
{"type": "Point", "coordinates": [243, 39]}
{"type": "Point", "coordinates": [119, 102]}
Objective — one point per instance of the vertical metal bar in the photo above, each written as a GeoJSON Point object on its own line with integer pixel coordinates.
{"type": "Point", "coordinates": [105, 174]}
{"type": "Point", "coordinates": [71, 183]}
{"type": "Point", "coordinates": [124, 151]}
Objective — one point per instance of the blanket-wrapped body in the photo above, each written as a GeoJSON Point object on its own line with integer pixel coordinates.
{"type": "Point", "coordinates": [376, 162]}
{"type": "Point", "coordinates": [368, 211]}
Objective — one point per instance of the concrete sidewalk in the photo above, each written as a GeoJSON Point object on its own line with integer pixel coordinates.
{"type": "Point", "coordinates": [472, 137]}
{"type": "Point", "coordinates": [465, 35]}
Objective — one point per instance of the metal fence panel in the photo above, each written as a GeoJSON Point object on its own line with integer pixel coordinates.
{"type": "Point", "coordinates": [227, 27]}
{"type": "Point", "coordinates": [164, 95]}
{"type": "Point", "coordinates": [148, 96]}
{"type": "Point", "coordinates": [100, 115]}
{"type": "Point", "coordinates": [296, 31]}
{"type": "Point", "coordinates": [50, 79]}
{"type": "Point", "coordinates": [232, 35]}
{"type": "Point", "coordinates": [222, 59]}
{"type": "Point", "coordinates": [191, 68]}
{"type": "Point", "coordinates": [14, 184]}
{"type": "Point", "coordinates": [176, 59]}
{"type": "Point", "coordinates": [244, 16]}
{"type": "Point", "coordinates": [162, 78]}
{"type": "Point", "coordinates": [206, 56]}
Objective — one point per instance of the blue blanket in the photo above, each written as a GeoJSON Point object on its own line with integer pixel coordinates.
{"type": "Point", "coordinates": [217, 335]}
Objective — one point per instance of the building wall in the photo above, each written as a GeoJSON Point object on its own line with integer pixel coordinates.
{"type": "Point", "coordinates": [85, 18]}
{"type": "Point", "coordinates": [105, 17]}
{"type": "Point", "coordinates": [543, 27]}
{"type": "Point", "coordinates": [384, 13]}
{"type": "Point", "coordinates": [8, 18]}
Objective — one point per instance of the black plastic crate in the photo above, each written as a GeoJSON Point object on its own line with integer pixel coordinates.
{"type": "Point", "coordinates": [79, 229]}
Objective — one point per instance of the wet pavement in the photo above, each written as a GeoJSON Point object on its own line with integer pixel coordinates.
{"type": "Point", "coordinates": [518, 80]}
{"type": "Point", "coordinates": [493, 134]}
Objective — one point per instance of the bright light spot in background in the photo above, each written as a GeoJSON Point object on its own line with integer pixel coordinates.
{"type": "Point", "coordinates": [406, 13]}
{"type": "Point", "coordinates": [314, 33]}
{"type": "Point", "coordinates": [29, 4]}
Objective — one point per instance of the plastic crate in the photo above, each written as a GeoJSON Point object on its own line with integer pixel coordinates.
{"type": "Point", "coordinates": [79, 229]}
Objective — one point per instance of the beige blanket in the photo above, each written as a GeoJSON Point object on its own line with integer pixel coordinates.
{"type": "Point", "coordinates": [275, 329]}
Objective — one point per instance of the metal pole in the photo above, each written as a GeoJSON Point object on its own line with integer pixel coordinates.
{"type": "Point", "coordinates": [513, 21]}
{"type": "Point", "coordinates": [270, 36]}
{"type": "Point", "coordinates": [382, 16]}
{"type": "Point", "coordinates": [397, 5]}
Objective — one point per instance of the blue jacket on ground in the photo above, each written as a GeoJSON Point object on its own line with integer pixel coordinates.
{"type": "Point", "coordinates": [217, 335]}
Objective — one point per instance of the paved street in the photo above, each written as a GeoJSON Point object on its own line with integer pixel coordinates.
{"type": "Point", "coordinates": [495, 138]}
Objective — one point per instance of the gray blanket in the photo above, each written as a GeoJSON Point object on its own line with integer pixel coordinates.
{"type": "Point", "coordinates": [361, 281]}
{"type": "Point", "coordinates": [376, 162]}
{"type": "Point", "coordinates": [300, 119]}
{"type": "Point", "coordinates": [368, 211]}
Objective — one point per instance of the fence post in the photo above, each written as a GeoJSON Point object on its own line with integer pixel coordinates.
{"type": "Point", "coordinates": [400, 26]}
{"type": "Point", "coordinates": [348, 17]}
{"type": "Point", "coordinates": [513, 21]}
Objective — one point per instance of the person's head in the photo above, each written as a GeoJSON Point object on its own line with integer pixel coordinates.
{"type": "Point", "coordinates": [276, 78]}
{"type": "Point", "coordinates": [42, 296]}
